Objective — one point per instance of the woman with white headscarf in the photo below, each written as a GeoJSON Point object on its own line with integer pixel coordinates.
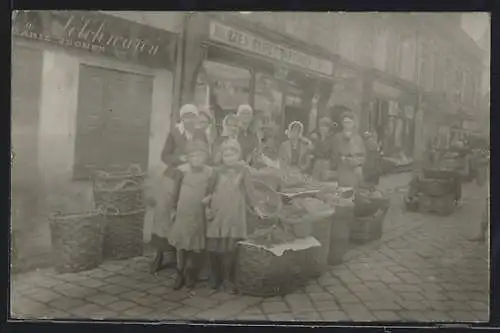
{"type": "Point", "coordinates": [174, 156]}
{"type": "Point", "coordinates": [296, 151]}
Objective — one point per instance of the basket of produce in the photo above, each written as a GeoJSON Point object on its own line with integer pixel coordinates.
{"type": "Point", "coordinates": [436, 187]}
{"type": "Point", "coordinates": [367, 229]}
{"type": "Point", "coordinates": [123, 237]}
{"type": "Point", "coordinates": [275, 269]}
{"type": "Point", "coordinates": [77, 241]}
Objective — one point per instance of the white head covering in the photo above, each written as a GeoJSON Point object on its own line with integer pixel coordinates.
{"type": "Point", "coordinates": [186, 109]}
{"type": "Point", "coordinates": [244, 108]}
{"type": "Point", "coordinates": [293, 124]}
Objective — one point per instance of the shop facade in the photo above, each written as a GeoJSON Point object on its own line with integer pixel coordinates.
{"type": "Point", "coordinates": [230, 62]}
{"type": "Point", "coordinates": [391, 113]}
{"type": "Point", "coordinates": [90, 91]}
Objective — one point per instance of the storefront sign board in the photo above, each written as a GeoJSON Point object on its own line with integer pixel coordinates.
{"type": "Point", "coordinates": [100, 34]}
{"type": "Point", "coordinates": [245, 41]}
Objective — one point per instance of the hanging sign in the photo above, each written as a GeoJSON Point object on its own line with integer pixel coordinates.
{"type": "Point", "coordinates": [251, 43]}
{"type": "Point", "coordinates": [100, 34]}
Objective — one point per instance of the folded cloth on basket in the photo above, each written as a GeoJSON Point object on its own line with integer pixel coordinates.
{"type": "Point", "coordinates": [295, 245]}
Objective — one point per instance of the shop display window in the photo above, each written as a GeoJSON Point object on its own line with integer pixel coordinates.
{"type": "Point", "coordinates": [268, 97]}
{"type": "Point", "coordinates": [227, 87]}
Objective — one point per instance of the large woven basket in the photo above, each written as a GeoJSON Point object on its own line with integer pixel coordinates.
{"type": "Point", "coordinates": [263, 274]}
{"type": "Point", "coordinates": [108, 180]}
{"type": "Point", "coordinates": [366, 204]}
{"type": "Point", "coordinates": [123, 190]}
{"type": "Point", "coordinates": [126, 196]}
{"type": "Point", "coordinates": [124, 234]}
{"type": "Point", "coordinates": [77, 241]}
{"type": "Point", "coordinates": [367, 229]}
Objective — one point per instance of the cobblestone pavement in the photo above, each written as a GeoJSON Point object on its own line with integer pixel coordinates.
{"type": "Point", "coordinates": [423, 269]}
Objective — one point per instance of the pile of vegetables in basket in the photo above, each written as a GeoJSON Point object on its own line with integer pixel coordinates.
{"type": "Point", "coordinates": [273, 235]}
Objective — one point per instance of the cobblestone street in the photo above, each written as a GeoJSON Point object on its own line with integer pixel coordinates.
{"type": "Point", "coordinates": [423, 269]}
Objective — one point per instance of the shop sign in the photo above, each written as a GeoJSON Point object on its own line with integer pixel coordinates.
{"type": "Point", "coordinates": [248, 42]}
{"type": "Point", "coordinates": [98, 33]}
{"type": "Point", "coordinates": [385, 90]}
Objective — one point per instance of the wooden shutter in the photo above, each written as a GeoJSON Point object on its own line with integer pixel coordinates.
{"type": "Point", "coordinates": [113, 119]}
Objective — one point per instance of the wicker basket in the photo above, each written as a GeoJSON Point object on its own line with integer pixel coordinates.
{"type": "Point", "coordinates": [123, 238]}
{"type": "Point", "coordinates": [260, 273]}
{"type": "Point", "coordinates": [121, 190]}
{"type": "Point", "coordinates": [367, 204]}
{"type": "Point", "coordinates": [127, 196]}
{"type": "Point", "coordinates": [436, 187]}
{"type": "Point", "coordinates": [367, 229]}
{"type": "Point", "coordinates": [77, 241]}
{"type": "Point", "coordinates": [107, 180]}
{"type": "Point", "coordinates": [340, 232]}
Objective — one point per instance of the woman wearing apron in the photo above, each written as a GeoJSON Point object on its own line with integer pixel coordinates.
{"type": "Point", "coordinates": [173, 155]}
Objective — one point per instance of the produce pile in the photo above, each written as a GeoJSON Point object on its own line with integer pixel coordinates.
{"type": "Point", "coordinates": [293, 181]}
{"type": "Point", "coordinates": [305, 209]}
{"type": "Point", "coordinates": [274, 235]}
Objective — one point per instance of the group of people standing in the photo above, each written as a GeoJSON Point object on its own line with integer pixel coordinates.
{"type": "Point", "coordinates": [200, 205]}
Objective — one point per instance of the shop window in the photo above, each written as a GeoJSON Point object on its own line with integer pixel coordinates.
{"type": "Point", "coordinates": [229, 87]}
{"type": "Point", "coordinates": [268, 97]}
{"type": "Point", "coordinates": [113, 119]}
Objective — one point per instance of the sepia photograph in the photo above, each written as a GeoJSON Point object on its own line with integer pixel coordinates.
{"type": "Point", "coordinates": [262, 167]}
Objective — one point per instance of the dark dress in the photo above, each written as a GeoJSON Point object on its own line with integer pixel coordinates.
{"type": "Point", "coordinates": [249, 142]}
{"type": "Point", "coordinates": [322, 155]}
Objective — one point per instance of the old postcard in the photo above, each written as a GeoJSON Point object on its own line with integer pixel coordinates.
{"type": "Point", "coordinates": [251, 166]}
